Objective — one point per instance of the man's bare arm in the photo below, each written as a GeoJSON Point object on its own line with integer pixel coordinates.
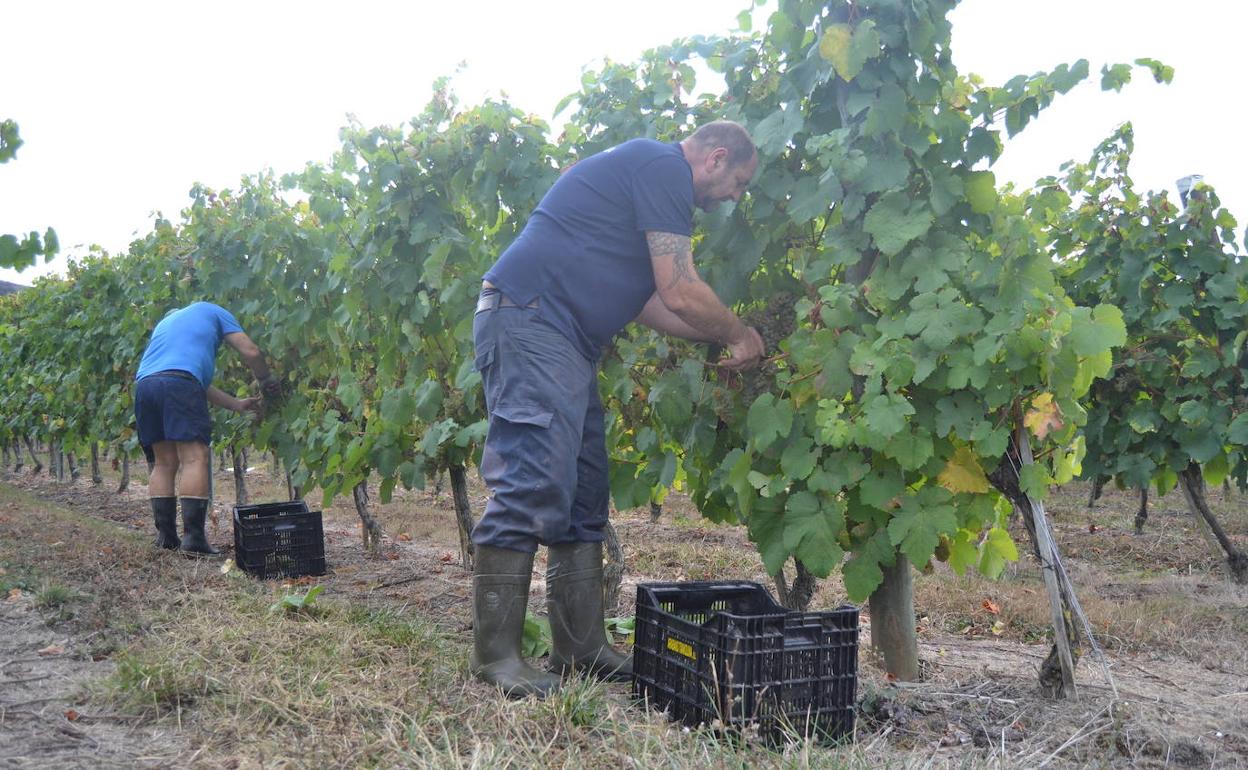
{"type": "Point", "coordinates": [218, 397]}
{"type": "Point", "coordinates": [690, 299]}
{"type": "Point", "coordinates": [656, 315]}
{"type": "Point", "coordinates": [251, 355]}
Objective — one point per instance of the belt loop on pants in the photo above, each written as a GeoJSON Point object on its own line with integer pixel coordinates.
{"type": "Point", "coordinates": [491, 299]}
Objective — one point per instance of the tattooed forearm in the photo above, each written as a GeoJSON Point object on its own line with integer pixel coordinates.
{"type": "Point", "coordinates": [679, 250]}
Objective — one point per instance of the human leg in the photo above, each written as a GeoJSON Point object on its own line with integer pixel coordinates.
{"type": "Point", "coordinates": [535, 385]}
{"type": "Point", "coordinates": [574, 576]}
{"type": "Point", "coordinates": [161, 493]}
{"type": "Point", "coordinates": [195, 460]}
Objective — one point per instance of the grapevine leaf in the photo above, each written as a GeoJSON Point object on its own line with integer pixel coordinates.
{"type": "Point", "coordinates": [917, 525]}
{"type": "Point", "coordinates": [981, 191]}
{"type": "Point", "coordinates": [963, 473]}
{"type": "Point", "coordinates": [810, 530]}
{"type": "Point", "coordinates": [1237, 432]}
{"type": "Point", "coordinates": [799, 459]}
{"type": "Point", "coordinates": [769, 419]}
{"type": "Point", "coordinates": [1043, 416]}
{"type": "Point", "coordinates": [963, 552]}
{"type": "Point", "coordinates": [862, 572]}
{"type": "Point", "coordinates": [996, 550]}
{"type": "Point", "coordinates": [767, 530]}
{"type": "Point", "coordinates": [893, 222]}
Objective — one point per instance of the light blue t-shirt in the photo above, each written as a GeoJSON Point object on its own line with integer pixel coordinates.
{"type": "Point", "coordinates": [188, 339]}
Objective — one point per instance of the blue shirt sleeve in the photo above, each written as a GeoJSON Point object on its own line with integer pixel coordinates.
{"type": "Point", "coordinates": [663, 196]}
{"type": "Point", "coordinates": [226, 322]}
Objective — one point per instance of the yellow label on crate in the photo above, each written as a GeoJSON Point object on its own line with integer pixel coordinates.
{"type": "Point", "coordinates": [679, 647]}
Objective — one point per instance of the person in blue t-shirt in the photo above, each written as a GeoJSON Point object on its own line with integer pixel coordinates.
{"type": "Point", "coordinates": [608, 244]}
{"type": "Point", "coordinates": [171, 397]}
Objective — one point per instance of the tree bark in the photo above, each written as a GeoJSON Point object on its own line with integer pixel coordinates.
{"type": "Point", "coordinates": [1058, 670]}
{"type": "Point", "coordinates": [892, 621]}
{"type": "Point", "coordinates": [34, 457]}
{"type": "Point", "coordinates": [796, 597]}
{"type": "Point", "coordinates": [125, 472]}
{"type": "Point", "coordinates": [96, 477]}
{"type": "Point", "coordinates": [1192, 482]}
{"type": "Point", "coordinates": [1098, 485]}
{"type": "Point", "coordinates": [372, 530]}
{"type": "Point", "coordinates": [293, 492]}
{"type": "Point", "coordinates": [463, 516]}
{"type": "Point", "coordinates": [612, 570]}
{"type": "Point", "coordinates": [240, 476]}
{"type": "Point", "coordinates": [1141, 515]}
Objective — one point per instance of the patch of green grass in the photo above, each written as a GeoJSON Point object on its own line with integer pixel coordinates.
{"type": "Point", "coordinates": [53, 596]}
{"type": "Point", "coordinates": [154, 687]}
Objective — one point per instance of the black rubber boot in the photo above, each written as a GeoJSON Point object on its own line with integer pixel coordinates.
{"type": "Point", "coordinates": [500, 594]}
{"type": "Point", "coordinates": [194, 511]}
{"type": "Point", "coordinates": [574, 603]}
{"type": "Point", "coordinates": [165, 511]}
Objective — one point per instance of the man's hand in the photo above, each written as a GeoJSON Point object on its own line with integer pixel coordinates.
{"type": "Point", "coordinates": [253, 404]}
{"type": "Point", "coordinates": [745, 351]}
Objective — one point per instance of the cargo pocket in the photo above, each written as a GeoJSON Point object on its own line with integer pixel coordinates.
{"type": "Point", "coordinates": [524, 414]}
{"type": "Point", "coordinates": [483, 359]}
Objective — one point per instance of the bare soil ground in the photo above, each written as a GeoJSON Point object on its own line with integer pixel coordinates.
{"type": "Point", "coordinates": [112, 654]}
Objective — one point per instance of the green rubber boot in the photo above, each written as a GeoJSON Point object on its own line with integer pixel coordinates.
{"type": "Point", "coordinates": [574, 603]}
{"type": "Point", "coordinates": [165, 512]}
{"type": "Point", "coordinates": [500, 595]}
{"type": "Point", "coordinates": [194, 511]}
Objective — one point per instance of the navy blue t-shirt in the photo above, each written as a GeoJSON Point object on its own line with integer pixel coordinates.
{"type": "Point", "coordinates": [583, 251]}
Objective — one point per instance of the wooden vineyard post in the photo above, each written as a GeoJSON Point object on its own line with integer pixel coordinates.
{"type": "Point", "coordinates": [1048, 568]}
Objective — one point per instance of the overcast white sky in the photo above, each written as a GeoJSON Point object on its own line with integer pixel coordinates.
{"type": "Point", "coordinates": [124, 105]}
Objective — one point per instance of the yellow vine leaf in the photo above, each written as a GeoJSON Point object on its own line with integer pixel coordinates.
{"type": "Point", "coordinates": [1044, 417]}
{"type": "Point", "coordinates": [963, 473]}
{"type": "Point", "coordinates": [834, 47]}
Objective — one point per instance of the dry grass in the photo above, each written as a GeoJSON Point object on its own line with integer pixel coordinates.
{"type": "Point", "coordinates": [374, 677]}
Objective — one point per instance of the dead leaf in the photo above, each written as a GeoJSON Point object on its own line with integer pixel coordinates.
{"type": "Point", "coordinates": [1044, 416]}
{"type": "Point", "coordinates": [15, 594]}
{"type": "Point", "coordinates": [71, 715]}
{"type": "Point", "coordinates": [998, 628]}
{"type": "Point", "coordinates": [3, 571]}
{"type": "Point", "coordinates": [991, 606]}
{"type": "Point", "coordinates": [51, 649]}
{"type": "Point", "coordinates": [1093, 528]}
{"type": "Point", "coordinates": [404, 537]}
{"type": "Point", "coordinates": [393, 556]}
{"type": "Point", "coordinates": [446, 558]}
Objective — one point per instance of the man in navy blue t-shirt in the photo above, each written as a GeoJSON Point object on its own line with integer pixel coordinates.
{"type": "Point", "coordinates": [171, 397]}
{"type": "Point", "coordinates": [609, 244]}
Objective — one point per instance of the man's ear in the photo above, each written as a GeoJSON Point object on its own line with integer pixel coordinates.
{"type": "Point", "coordinates": [718, 157]}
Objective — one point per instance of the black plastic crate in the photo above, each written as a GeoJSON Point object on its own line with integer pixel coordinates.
{"type": "Point", "coordinates": [727, 651]}
{"type": "Point", "coordinates": [274, 540]}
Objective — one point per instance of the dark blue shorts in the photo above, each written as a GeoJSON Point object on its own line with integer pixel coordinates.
{"type": "Point", "coordinates": [171, 407]}
{"type": "Point", "coordinates": [545, 456]}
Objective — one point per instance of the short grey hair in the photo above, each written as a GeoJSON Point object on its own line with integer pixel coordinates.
{"type": "Point", "coordinates": [727, 134]}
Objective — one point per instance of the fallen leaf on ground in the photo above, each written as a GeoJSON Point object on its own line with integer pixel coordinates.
{"type": "Point", "coordinates": [52, 649]}
{"type": "Point", "coordinates": [406, 538]}
{"type": "Point", "coordinates": [15, 594]}
{"type": "Point", "coordinates": [991, 606]}
{"type": "Point", "coordinates": [71, 715]}
{"type": "Point", "coordinates": [446, 558]}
